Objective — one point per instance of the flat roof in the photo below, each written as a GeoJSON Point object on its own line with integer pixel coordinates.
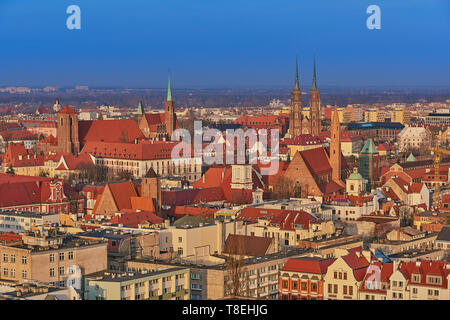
{"type": "Point", "coordinates": [127, 276]}
{"type": "Point", "coordinates": [25, 214]}
{"type": "Point", "coordinates": [222, 266]}
{"type": "Point", "coordinates": [68, 242]}
{"type": "Point", "coordinates": [435, 114]}
{"type": "Point", "coordinates": [374, 125]}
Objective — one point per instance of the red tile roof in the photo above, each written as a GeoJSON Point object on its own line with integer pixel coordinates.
{"type": "Point", "coordinates": [72, 162]}
{"type": "Point", "coordinates": [143, 150]}
{"type": "Point", "coordinates": [67, 110]}
{"type": "Point", "coordinates": [124, 130]}
{"type": "Point", "coordinates": [414, 187]}
{"type": "Point", "coordinates": [247, 245]}
{"type": "Point", "coordinates": [156, 119]}
{"type": "Point", "coordinates": [24, 191]}
{"type": "Point", "coordinates": [287, 220]}
{"type": "Point", "coordinates": [132, 219]}
{"type": "Point", "coordinates": [221, 177]}
{"type": "Point", "coordinates": [195, 211]}
{"type": "Point", "coordinates": [426, 267]}
{"type": "Point", "coordinates": [308, 265]}
{"type": "Point", "coordinates": [10, 237]}
{"type": "Point", "coordinates": [191, 196]}
{"type": "Point", "coordinates": [316, 160]}
{"type": "Point", "coordinates": [17, 150]}
{"type": "Point", "coordinates": [122, 192]}
{"type": "Point", "coordinates": [16, 135]}
{"type": "Point", "coordinates": [357, 261]}
{"type": "Point", "coordinates": [385, 272]}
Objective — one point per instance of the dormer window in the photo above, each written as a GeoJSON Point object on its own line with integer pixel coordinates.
{"type": "Point", "coordinates": [416, 277]}
{"type": "Point", "coordinates": [434, 280]}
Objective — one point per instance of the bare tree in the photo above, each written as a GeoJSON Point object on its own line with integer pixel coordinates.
{"type": "Point", "coordinates": [236, 271]}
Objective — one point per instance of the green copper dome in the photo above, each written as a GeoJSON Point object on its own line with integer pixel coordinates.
{"type": "Point", "coordinates": [355, 176]}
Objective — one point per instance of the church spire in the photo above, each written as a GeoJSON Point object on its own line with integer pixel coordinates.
{"type": "Point", "coordinates": [335, 148]}
{"type": "Point", "coordinates": [140, 108]}
{"type": "Point", "coordinates": [297, 86]}
{"type": "Point", "coordinates": [314, 83]}
{"type": "Point", "coordinates": [169, 90]}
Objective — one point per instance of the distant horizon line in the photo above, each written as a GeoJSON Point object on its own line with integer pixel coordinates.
{"type": "Point", "coordinates": [138, 87]}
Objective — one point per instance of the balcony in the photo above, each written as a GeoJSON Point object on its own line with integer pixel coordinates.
{"type": "Point", "coordinates": [181, 293]}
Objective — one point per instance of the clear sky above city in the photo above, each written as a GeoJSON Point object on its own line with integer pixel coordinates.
{"type": "Point", "coordinates": [231, 43]}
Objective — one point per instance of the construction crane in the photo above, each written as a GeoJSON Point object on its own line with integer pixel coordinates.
{"type": "Point", "coordinates": [437, 151]}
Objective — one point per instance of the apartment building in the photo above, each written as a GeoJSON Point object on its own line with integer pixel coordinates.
{"type": "Point", "coordinates": [211, 276]}
{"type": "Point", "coordinates": [156, 284]}
{"type": "Point", "coordinates": [374, 115]}
{"type": "Point", "coordinates": [345, 275]}
{"type": "Point", "coordinates": [51, 257]}
{"type": "Point", "coordinates": [21, 221]}
{"type": "Point", "coordinates": [188, 237]}
{"type": "Point", "coordinates": [424, 241]}
{"type": "Point", "coordinates": [303, 278]}
{"type": "Point", "coordinates": [124, 245]}
{"type": "Point", "coordinates": [420, 280]}
{"type": "Point", "coordinates": [290, 228]}
{"type": "Point", "coordinates": [351, 208]}
{"type": "Point", "coordinates": [402, 115]}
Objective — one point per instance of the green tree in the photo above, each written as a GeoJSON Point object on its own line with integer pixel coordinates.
{"type": "Point", "coordinates": [43, 174]}
{"type": "Point", "coordinates": [10, 170]}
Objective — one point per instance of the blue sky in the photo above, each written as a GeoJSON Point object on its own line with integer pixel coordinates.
{"type": "Point", "coordinates": [214, 43]}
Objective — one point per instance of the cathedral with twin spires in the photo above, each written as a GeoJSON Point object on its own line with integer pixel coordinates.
{"type": "Point", "coordinates": [298, 122]}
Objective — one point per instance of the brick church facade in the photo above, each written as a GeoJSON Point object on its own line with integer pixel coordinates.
{"type": "Point", "coordinates": [73, 134]}
{"type": "Point", "coordinates": [319, 171]}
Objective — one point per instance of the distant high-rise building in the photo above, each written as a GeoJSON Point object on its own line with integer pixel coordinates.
{"type": "Point", "coordinates": [401, 115]}
{"type": "Point", "coordinates": [374, 115]}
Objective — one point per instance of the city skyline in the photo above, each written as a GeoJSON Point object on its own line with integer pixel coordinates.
{"type": "Point", "coordinates": [225, 45]}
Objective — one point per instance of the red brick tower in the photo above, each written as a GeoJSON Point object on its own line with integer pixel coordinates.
{"type": "Point", "coordinates": [314, 102]}
{"type": "Point", "coordinates": [151, 188]}
{"type": "Point", "coordinates": [335, 148]}
{"type": "Point", "coordinates": [295, 119]}
{"type": "Point", "coordinates": [67, 131]}
{"type": "Point", "coordinates": [169, 112]}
